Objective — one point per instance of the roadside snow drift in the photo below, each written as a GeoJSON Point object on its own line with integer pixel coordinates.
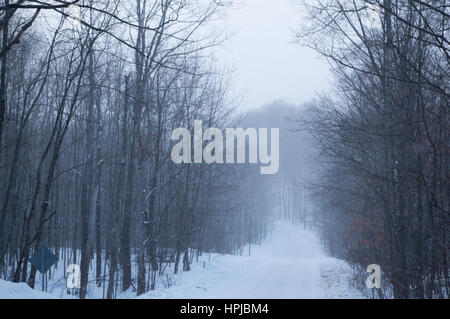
{"type": "Point", "coordinates": [10, 290]}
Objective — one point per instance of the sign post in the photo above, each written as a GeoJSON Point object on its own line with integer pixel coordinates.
{"type": "Point", "coordinates": [43, 259]}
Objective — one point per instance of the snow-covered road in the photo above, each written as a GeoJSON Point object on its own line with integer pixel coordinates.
{"type": "Point", "coordinates": [290, 264]}
{"type": "Point", "coordinates": [286, 267]}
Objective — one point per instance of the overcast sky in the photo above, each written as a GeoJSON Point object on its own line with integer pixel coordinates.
{"type": "Point", "coordinates": [268, 66]}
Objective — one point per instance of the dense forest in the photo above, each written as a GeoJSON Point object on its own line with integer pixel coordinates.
{"type": "Point", "coordinates": [91, 91]}
{"type": "Point", "coordinates": [87, 110]}
{"type": "Point", "coordinates": [383, 139]}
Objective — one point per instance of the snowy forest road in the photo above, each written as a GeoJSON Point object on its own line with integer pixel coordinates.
{"type": "Point", "coordinates": [289, 265]}
{"type": "Point", "coordinates": [286, 267]}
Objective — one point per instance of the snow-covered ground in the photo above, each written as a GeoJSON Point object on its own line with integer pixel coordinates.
{"type": "Point", "coordinates": [290, 264]}
{"type": "Point", "coordinates": [9, 290]}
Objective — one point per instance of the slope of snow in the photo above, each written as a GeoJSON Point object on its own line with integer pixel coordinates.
{"type": "Point", "coordinates": [290, 265]}
{"type": "Point", "coordinates": [10, 290]}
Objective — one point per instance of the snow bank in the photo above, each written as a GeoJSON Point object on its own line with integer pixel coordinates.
{"type": "Point", "coordinates": [337, 280]}
{"type": "Point", "coordinates": [10, 290]}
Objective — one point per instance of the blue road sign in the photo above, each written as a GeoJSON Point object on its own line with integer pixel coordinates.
{"type": "Point", "coordinates": [43, 259]}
